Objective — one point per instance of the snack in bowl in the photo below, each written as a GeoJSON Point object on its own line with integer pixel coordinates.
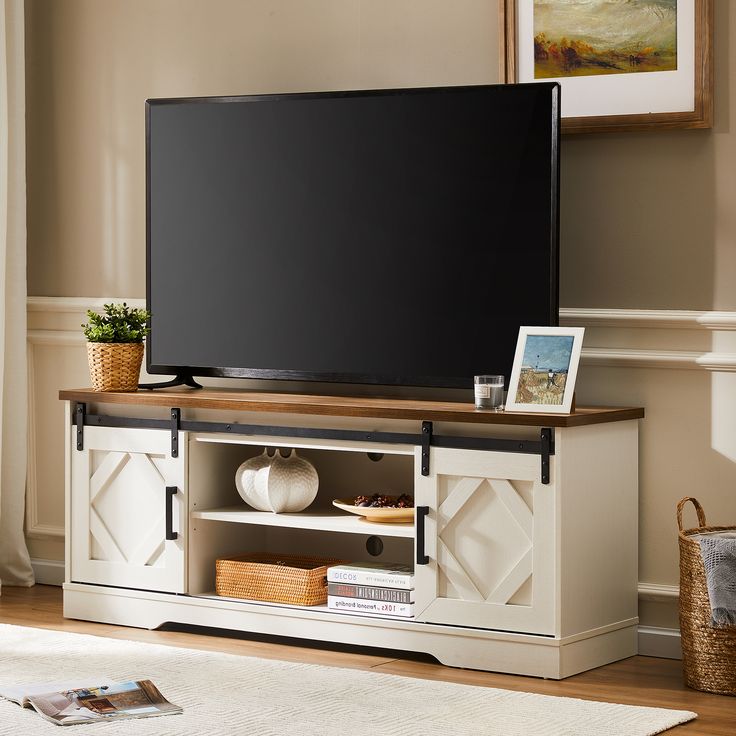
{"type": "Point", "coordinates": [379, 500]}
{"type": "Point", "coordinates": [380, 507]}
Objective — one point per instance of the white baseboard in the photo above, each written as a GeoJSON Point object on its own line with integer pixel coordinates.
{"type": "Point", "coordinates": [659, 642]}
{"type": "Point", "coordinates": [48, 572]}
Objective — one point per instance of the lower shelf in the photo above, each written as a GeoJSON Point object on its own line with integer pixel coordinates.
{"type": "Point", "coordinates": [315, 609]}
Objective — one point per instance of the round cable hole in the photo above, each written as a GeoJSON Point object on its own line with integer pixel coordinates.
{"type": "Point", "coordinates": [374, 545]}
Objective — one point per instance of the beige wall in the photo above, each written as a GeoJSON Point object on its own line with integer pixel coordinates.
{"type": "Point", "coordinates": [92, 64]}
{"type": "Point", "coordinates": [648, 220]}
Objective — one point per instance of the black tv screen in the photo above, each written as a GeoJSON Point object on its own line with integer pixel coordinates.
{"type": "Point", "coordinates": [390, 237]}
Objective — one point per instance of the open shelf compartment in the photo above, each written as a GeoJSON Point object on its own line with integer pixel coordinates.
{"type": "Point", "coordinates": [221, 524]}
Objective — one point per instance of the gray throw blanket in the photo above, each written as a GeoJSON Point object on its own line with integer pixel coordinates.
{"type": "Point", "coordinates": [719, 559]}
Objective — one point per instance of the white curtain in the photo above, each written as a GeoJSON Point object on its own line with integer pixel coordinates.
{"type": "Point", "coordinates": [15, 565]}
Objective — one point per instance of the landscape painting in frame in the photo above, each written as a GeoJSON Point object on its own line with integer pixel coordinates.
{"type": "Point", "coordinates": [545, 369]}
{"type": "Point", "coordinates": [574, 38]}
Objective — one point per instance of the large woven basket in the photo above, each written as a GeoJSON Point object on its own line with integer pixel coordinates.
{"type": "Point", "coordinates": [708, 652]}
{"type": "Point", "coordinates": [114, 366]}
{"type": "Point", "coordinates": [301, 581]}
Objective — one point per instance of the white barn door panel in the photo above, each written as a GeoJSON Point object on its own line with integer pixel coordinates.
{"type": "Point", "coordinates": [119, 507]}
{"type": "Point", "coordinates": [490, 539]}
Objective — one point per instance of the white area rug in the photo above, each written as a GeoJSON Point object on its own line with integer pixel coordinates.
{"type": "Point", "coordinates": [234, 695]}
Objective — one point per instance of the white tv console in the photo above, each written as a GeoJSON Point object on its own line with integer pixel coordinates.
{"type": "Point", "coordinates": [524, 542]}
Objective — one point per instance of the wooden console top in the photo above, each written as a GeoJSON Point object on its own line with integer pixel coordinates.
{"type": "Point", "coordinates": [346, 406]}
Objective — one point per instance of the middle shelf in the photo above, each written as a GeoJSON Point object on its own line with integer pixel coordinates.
{"type": "Point", "coordinates": [321, 521]}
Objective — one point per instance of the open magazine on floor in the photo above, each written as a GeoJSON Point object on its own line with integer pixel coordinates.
{"type": "Point", "coordinates": [69, 703]}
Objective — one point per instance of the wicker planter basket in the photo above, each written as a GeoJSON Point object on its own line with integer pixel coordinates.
{"type": "Point", "coordinates": [301, 581]}
{"type": "Point", "coordinates": [114, 366]}
{"type": "Point", "coordinates": [708, 652]}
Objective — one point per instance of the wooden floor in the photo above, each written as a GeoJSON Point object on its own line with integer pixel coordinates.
{"type": "Point", "coordinates": [635, 681]}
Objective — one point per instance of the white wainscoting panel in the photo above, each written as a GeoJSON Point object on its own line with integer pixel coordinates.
{"type": "Point", "coordinates": [57, 358]}
{"type": "Point", "coordinates": [54, 357]}
{"type": "Point", "coordinates": [679, 364]}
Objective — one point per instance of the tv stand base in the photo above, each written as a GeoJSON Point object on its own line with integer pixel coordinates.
{"type": "Point", "coordinates": [181, 379]}
{"type": "Point", "coordinates": [498, 651]}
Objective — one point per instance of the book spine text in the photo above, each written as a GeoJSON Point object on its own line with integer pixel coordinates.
{"type": "Point", "coordinates": [370, 578]}
{"type": "Point", "coordinates": [391, 595]}
{"type": "Point", "coordinates": [359, 605]}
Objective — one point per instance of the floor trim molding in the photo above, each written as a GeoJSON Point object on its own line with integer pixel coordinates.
{"type": "Point", "coordinates": [659, 642]}
{"type": "Point", "coordinates": [48, 572]}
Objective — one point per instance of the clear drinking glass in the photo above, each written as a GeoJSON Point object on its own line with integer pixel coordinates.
{"type": "Point", "coordinates": [489, 392]}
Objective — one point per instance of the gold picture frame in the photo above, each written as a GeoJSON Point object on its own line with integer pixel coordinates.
{"type": "Point", "coordinates": [697, 52]}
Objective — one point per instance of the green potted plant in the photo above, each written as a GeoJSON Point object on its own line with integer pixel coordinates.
{"type": "Point", "coordinates": [115, 346]}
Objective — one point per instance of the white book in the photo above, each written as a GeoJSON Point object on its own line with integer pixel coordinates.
{"type": "Point", "coordinates": [362, 606]}
{"type": "Point", "coordinates": [379, 574]}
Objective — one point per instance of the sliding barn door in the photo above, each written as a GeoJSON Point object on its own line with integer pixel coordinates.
{"type": "Point", "coordinates": [120, 509]}
{"type": "Point", "coordinates": [490, 541]}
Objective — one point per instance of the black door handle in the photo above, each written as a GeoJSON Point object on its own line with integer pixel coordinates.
{"type": "Point", "coordinates": [422, 512]}
{"type": "Point", "coordinates": [171, 491]}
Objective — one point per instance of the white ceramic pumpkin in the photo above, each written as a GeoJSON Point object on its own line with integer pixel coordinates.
{"type": "Point", "coordinates": [287, 484]}
{"type": "Point", "coordinates": [245, 477]}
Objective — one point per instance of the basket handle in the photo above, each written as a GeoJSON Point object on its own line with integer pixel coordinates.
{"type": "Point", "coordinates": [698, 508]}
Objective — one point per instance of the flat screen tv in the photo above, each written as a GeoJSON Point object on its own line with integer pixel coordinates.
{"type": "Point", "coordinates": [394, 237]}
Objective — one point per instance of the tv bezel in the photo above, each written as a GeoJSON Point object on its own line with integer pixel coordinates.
{"type": "Point", "coordinates": [280, 374]}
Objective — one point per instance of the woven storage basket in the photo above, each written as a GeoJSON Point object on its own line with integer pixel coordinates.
{"type": "Point", "coordinates": [301, 581]}
{"type": "Point", "coordinates": [114, 366]}
{"type": "Point", "coordinates": [708, 652]}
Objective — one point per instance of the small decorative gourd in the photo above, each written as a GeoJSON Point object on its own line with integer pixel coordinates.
{"type": "Point", "coordinates": [286, 485]}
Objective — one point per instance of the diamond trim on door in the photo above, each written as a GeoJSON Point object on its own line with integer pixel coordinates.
{"type": "Point", "coordinates": [101, 483]}
{"type": "Point", "coordinates": [453, 569]}
{"type": "Point", "coordinates": [490, 541]}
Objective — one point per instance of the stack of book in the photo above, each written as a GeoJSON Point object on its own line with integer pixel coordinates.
{"type": "Point", "coordinates": [371, 589]}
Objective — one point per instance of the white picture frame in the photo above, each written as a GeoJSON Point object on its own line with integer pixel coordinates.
{"type": "Point", "coordinates": [545, 369]}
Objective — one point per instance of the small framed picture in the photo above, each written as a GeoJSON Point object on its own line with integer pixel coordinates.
{"type": "Point", "coordinates": [545, 369]}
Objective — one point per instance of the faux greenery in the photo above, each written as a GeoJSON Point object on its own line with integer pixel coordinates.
{"type": "Point", "coordinates": [119, 323]}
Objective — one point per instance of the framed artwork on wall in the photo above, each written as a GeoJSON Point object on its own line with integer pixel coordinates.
{"type": "Point", "coordinates": [545, 369]}
{"type": "Point", "coordinates": [623, 64]}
